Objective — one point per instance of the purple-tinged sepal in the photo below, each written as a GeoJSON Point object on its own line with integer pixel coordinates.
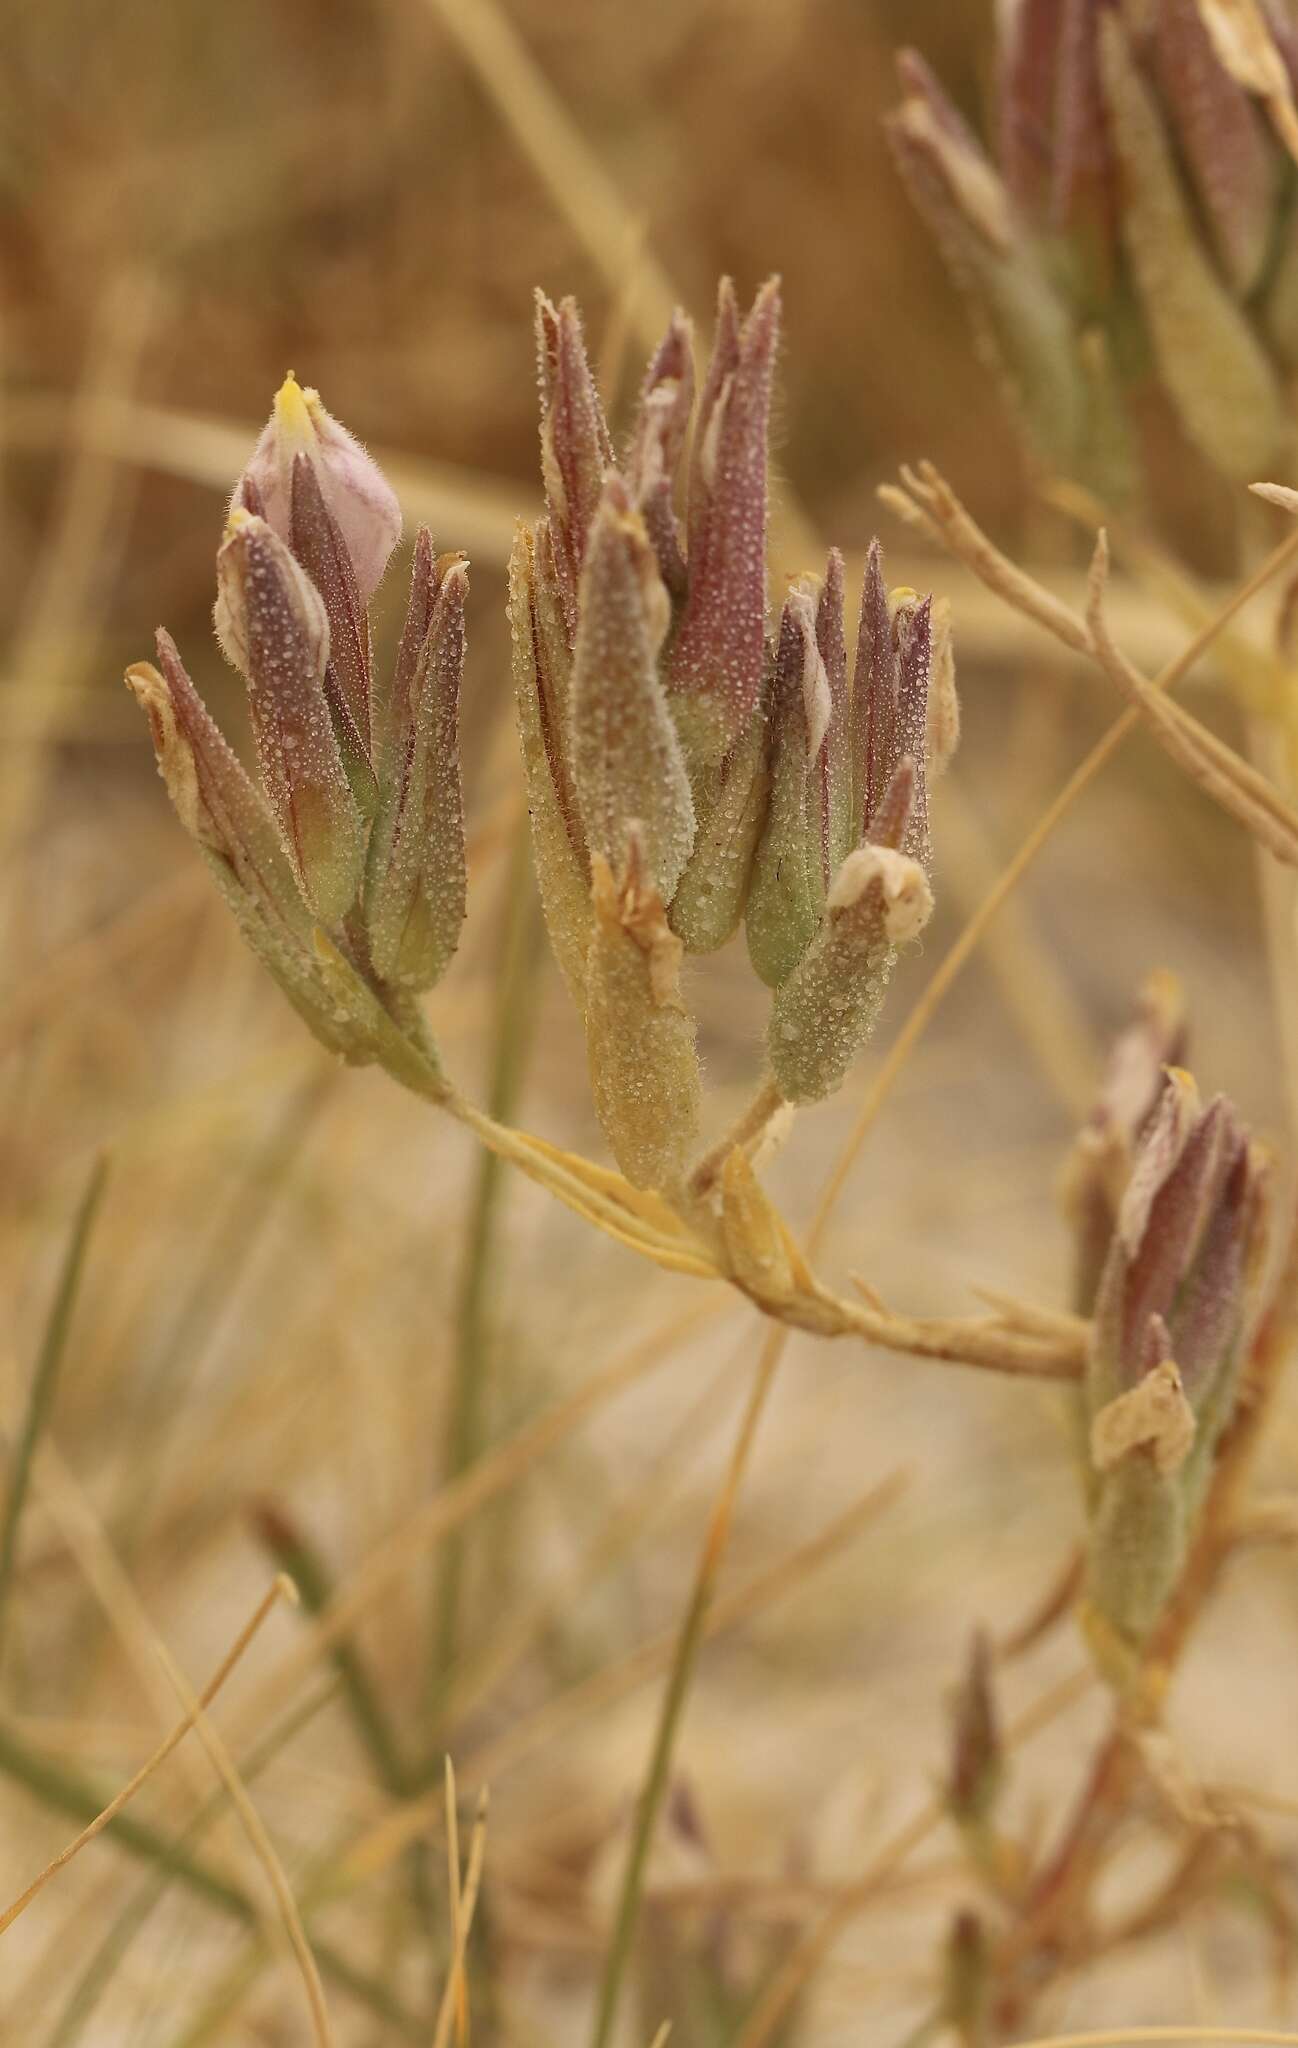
{"type": "Point", "coordinates": [226, 815]}
{"type": "Point", "coordinates": [1224, 144]}
{"type": "Point", "coordinates": [1172, 1313]}
{"type": "Point", "coordinates": [718, 651]}
{"type": "Point", "coordinates": [271, 622]}
{"type": "Point", "coordinates": [827, 1008]}
{"type": "Point", "coordinates": [892, 716]}
{"type": "Point", "coordinates": [576, 452]}
{"type": "Point", "coordinates": [626, 757]}
{"type": "Point", "coordinates": [789, 881]}
{"type": "Point", "coordinates": [317, 541]}
{"type": "Point", "coordinates": [657, 443]}
{"type": "Point", "coordinates": [415, 883]}
{"type": "Point", "coordinates": [542, 664]}
{"type": "Point", "coordinates": [1211, 361]}
{"type": "Point", "coordinates": [1100, 1165]}
{"type": "Point", "coordinates": [1021, 322]}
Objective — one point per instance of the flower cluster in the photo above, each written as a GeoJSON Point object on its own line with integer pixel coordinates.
{"type": "Point", "coordinates": [1139, 222]}
{"type": "Point", "coordinates": [1173, 1314]}
{"type": "Point", "coordinates": [344, 864]}
{"type": "Point", "coordinates": [687, 768]}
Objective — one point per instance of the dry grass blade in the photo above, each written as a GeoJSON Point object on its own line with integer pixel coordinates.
{"type": "Point", "coordinates": [928, 503]}
{"type": "Point", "coordinates": [255, 1829]}
{"type": "Point", "coordinates": [115, 1592]}
{"type": "Point", "coordinates": [573, 175]}
{"type": "Point", "coordinates": [1224, 2036]}
{"type": "Point", "coordinates": [558, 1716]}
{"type": "Point", "coordinates": [454, 1997]}
{"type": "Point", "coordinates": [87, 531]}
{"type": "Point", "coordinates": [454, 2008]}
{"type": "Point", "coordinates": [45, 1377]}
{"type": "Point", "coordinates": [1219, 771]}
{"type": "Point", "coordinates": [485, 1481]}
{"type": "Point", "coordinates": [768, 2015]}
{"type": "Point", "coordinates": [478, 509]}
{"type": "Point", "coordinates": [282, 1588]}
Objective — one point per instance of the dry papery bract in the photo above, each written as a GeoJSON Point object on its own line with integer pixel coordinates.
{"type": "Point", "coordinates": [689, 770]}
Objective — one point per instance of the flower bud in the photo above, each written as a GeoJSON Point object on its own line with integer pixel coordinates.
{"type": "Point", "coordinates": [942, 733]}
{"type": "Point", "coordinates": [968, 1981]}
{"type": "Point", "coordinates": [271, 622]}
{"type": "Point", "coordinates": [718, 654]}
{"type": "Point", "coordinates": [541, 663]}
{"type": "Point", "coordinates": [1022, 325]}
{"type": "Point", "coordinates": [1223, 142]}
{"type": "Point", "coordinates": [729, 808]}
{"type": "Point", "coordinates": [317, 542]}
{"type": "Point", "coordinates": [1101, 1160]}
{"type": "Point", "coordinates": [640, 1040]}
{"type": "Point", "coordinates": [575, 447]}
{"type": "Point", "coordinates": [352, 485]}
{"type": "Point", "coordinates": [890, 713]}
{"type": "Point", "coordinates": [1211, 362]}
{"type": "Point", "coordinates": [787, 892]}
{"type": "Point", "coordinates": [827, 1008]}
{"type": "Point", "coordinates": [977, 1757]}
{"type": "Point", "coordinates": [225, 813]}
{"type": "Point", "coordinates": [215, 799]}
{"type": "Point", "coordinates": [627, 760]}
{"type": "Point", "coordinates": [1169, 1323]}
{"type": "Point", "coordinates": [833, 789]}
{"type": "Point", "coordinates": [657, 442]}
{"type": "Point", "coordinates": [1145, 215]}
{"type": "Point", "coordinates": [415, 878]}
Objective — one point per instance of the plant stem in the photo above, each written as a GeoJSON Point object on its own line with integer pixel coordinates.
{"type": "Point", "coordinates": [747, 1127]}
{"type": "Point", "coordinates": [295, 1554]}
{"type": "Point", "coordinates": [66, 1792]}
{"type": "Point", "coordinates": [94, 1979]}
{"type": "Point", "coordinates": [464, 1430]}
{"type": "Point", "coordinates": [688, 1644]}
{"type": "Point", "coordinates": [44, 1379]}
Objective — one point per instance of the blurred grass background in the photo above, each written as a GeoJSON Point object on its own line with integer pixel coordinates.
{"type": "Point", "coordinates": [192, 200]}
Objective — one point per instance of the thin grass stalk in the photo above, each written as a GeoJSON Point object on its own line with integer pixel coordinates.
{"type": "Point", "coordinates": [296, 1555]}
{"type": "Point", "coordinates": [64, 1791]}
{"type": "Point", "coordinates": [99, 1971]}
{"type": "Point", "coordinates": [279, 1590]}
{"type": "Point", "coordinates": [689, 1642]}
{"type": "Point", "coordinates": [465, 1420]}
{"type": "Point", "coordinates": [40, 1399]}
{"type": "Point", "coordinates": [235, 1242]}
